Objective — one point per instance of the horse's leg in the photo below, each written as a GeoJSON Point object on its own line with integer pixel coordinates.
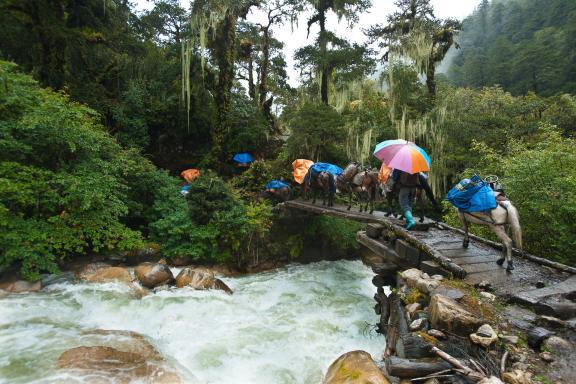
{"type": "Point", "coordinates": [349, 197]}
{"type": "Point", "coordinates": [507, 243]}
{"type": "Point", "coordinates": [314, 195]}
{"type": "Point", "coordinates": [464, 222]}
{"type": "Point", "coordinates": [372, 198]}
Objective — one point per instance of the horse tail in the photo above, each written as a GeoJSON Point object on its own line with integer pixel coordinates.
{"type": "Point", "coordinates": [514, 222]}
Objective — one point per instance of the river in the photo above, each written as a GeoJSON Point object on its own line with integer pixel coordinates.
{"type": "Point", "coordinates": [285, 326]}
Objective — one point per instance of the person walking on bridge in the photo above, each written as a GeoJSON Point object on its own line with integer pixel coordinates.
{"type": "Point", "coordinates": [407, 184]}
{"type": "Point", "coordinates": [408, 160]}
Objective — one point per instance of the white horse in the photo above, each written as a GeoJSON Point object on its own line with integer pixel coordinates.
{"type": "Point", "coordinates": [499, 220]}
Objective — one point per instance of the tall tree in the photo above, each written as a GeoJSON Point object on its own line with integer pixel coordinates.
{"type": "Point", "coordinates": [214, 23]}
{"type": "Point", "coordinates": [348, 9]}
{"type": "Point", "coordinates": [414, 32]}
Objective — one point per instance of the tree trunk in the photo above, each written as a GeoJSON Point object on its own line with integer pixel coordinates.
{"type": "Point", "coordinates": [323, 51]}
{"type": "Point", "coordinates": [224, 54]}
{"type": "Point", "coordinates": [430, 81]}
{"type": "Point", "coordinates": [251, 86]}
{"type": "Point", "coordinates": [263, 88]}
{"type": "Point", "coordinates": [405, 368]}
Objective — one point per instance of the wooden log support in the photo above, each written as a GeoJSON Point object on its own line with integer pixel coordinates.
{"type": "Point", "coordinates": [397, 326]}
{"type": "Point", "coordinates": [384, 307]}
{"type": "Point", "coordinates": [406, 368]}
{"type": "Point", "coordinates": [444, 262]}
{"type": "Point", "coordinates": [374, 230]}
{"type": "Point", "coordinates": [415, 347]}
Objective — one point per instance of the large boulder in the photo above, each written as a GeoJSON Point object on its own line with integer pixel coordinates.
{"type": "Point", "coordinates": [447, 314]}
{"type": "Point", "coordinates": [20, 286]}
{"type": "Point", "coordinates": [125, 357]}
{"type": "Point", "coordinates": [200, 278]}
{"type": "Point", "coordinates": [152, 275]}
{"type": "Point", "coordinates": [354, 367]}
{"type": "Point", "coordinates": [101, 273]}
{"type": "Point", "coordinates": [415, 278]}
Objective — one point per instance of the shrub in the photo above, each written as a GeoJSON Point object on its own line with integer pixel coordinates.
{"type": "Point", "coordinates": [65, 184]}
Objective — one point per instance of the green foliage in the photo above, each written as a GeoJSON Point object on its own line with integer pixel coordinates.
{"type": "Point", "coordinates": [248, 129]}
{"type": "Point", "coordinates": [251, 183]}
{"type": "Point", "coordinates": [539, 176]}
{"type": "Point", "coordinates": [339, 235]}
{"type": "Point", "coordinates": [523, 46]}
{"type": "Point", "coordinates": [64, 182]}
{"type": "Point", "coordinates": [211, 224]}
{"type": "Point", "coordinates": [316, 130]}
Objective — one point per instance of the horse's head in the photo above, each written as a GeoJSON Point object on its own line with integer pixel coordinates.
{"type": "Point", "coordinates": [351, 170]}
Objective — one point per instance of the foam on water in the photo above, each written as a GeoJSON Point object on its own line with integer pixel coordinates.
{"type": "Point", "coordinates": [285, 326]}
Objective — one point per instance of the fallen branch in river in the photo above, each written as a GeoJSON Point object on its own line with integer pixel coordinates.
{"type": "Point", "coordinates": [472, 374]}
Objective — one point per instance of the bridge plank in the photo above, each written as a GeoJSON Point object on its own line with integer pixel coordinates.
{"type": "Point", "coordinates": [443, 244]}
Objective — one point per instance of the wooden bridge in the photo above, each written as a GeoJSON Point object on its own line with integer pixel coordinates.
{"type": "Point", "coordinates": [437, 249]}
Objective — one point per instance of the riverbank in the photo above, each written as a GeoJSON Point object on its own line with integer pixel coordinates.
{"type": "Point", "coordinates": [446, 330]}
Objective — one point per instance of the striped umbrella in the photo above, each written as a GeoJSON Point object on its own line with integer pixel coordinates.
{"type": "Point", "coordinates": [403, 155]}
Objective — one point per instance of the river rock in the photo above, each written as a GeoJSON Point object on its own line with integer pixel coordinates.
{"type": "Point", "coordinates": [488, 295]}
{"type": "Point", "coordinates": [152, 275]}
{"type": "Point", "coordinates": [558, 346]}
{"type": "Point", "coordinates": [418, 324]}
{"type": "Point", "coordinates": [437, 334]}
{"type": "Point", "coordinates": [517, 377]}
{"type": "Point", "coordinates": [412, 308]}
{"type": "Point", "coordinates": [484, 336]}
{"type": "Point", "coordinates": [117, 365]}
{"type": "Point", "coordinates": [490, 380]}
{"type": "Point", "coordinates": [118, 356]}
{"type": "Point", "coordinates": [20, 286]}
{"type": "Point", "coordinates": [547, 357]}
{"type": "Point", "coordinates": [101, 273]}
{"type": "Point", "coordinates": [414, 279]}
{"type": "Point", "coordinates": [354, 367]}
{"type": "Point", "coordinates": [447, 314]}
{"type": "Point", "coordinates": [200, 278]}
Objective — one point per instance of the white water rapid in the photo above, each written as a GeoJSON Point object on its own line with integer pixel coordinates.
{"type": "Point", "coordinates": [285, 326]}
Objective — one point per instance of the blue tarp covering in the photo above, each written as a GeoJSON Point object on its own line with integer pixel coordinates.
{"type": "Point", "coordinates": [184, 189]}
{"type": "Point", "coordinates": [472, 195]}
{"type": "Point", "coordinates": [243, 157]}
{"type": "Point", "coordinates": [276, 184]}
{"type": "Point", "coordinates": [330, 168]}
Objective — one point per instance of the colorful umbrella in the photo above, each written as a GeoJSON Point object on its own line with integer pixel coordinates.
{"type": "Point", "coordinates": [403, 155]}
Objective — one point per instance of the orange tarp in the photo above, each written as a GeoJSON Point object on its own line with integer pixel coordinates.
{"type": "Point", "coordinates": [190, 174]}
{"type": "Point", "coordinates": [384, 173]}
{"type": "Point", "coordinates": [300, 169]}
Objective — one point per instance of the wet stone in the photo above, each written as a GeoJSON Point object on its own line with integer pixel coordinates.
{"type": "Point", "coordinates": [436, 333]}
{"type": "Point", "coordinates": [448, 292]}
{"type": "Point", "coordinates": [537, 335]}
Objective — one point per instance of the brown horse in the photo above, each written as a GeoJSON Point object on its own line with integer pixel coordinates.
{"type": "Point", "coordinates": [367, 182]}
{"type": "Point", "coordinates": [324, 182]}
{"type": "Point", "coordinates": [344, 181]}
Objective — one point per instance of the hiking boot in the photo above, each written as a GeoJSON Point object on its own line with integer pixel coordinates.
{"type": "Point", "coordinates": [410, 223]}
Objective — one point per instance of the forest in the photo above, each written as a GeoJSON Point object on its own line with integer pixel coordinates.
{"type": "Point", "coordinates": [102, 106]}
